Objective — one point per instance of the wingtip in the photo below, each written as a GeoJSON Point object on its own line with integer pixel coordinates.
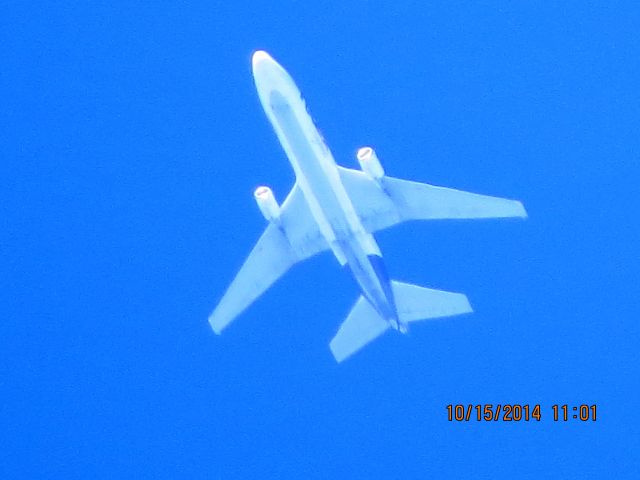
{"type": "Point", "coordinates": [467, 306]}
{"type": "Point", "coordinates": [216, 329]}
{"type": "Point", "coordinates": [336, 357]}
{"type": "Point", "coordinates": [523, 211]}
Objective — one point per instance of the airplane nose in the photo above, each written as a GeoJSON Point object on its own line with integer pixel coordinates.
{"type": "Point", "coordinates": [260, 56]}
{"type": "Point", "coordinates": [270, 76]}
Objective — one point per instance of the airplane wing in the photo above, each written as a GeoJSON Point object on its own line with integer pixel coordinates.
{"type": "Point", "coordinates": [395, 201]}
{"type": "Point", "coordinates": [278, 249]}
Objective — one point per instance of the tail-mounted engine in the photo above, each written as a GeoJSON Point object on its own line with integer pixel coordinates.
{"type": "Point", "coordinates": [267, 204]}
{"type": "Point", "coordinates": [369, 163]}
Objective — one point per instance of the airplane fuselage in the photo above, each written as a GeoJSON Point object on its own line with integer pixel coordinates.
{"type": "Point", "coordinates": [319, 180]}
{"type": "Point", "coordinates": [331, 207]}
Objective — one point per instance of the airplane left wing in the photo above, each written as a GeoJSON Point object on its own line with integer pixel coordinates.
{"type": "Point", "coordinates": [296, 238]}
{"type": "Point", "coordinates": [394, 201]}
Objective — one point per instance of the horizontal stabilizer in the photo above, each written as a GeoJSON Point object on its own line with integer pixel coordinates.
{"type": "Point", "coordinates": [420, 303]}
{"type": "Point", "coordinates": [361, 327]}
{"type": "Point", "coordinates": [413, 303]}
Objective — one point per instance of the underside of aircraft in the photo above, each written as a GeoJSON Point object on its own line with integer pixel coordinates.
{"type": "Point", "coordinates": [339, 209]}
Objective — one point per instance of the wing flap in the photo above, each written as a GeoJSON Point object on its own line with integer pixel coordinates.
{"type": "Point", "coordinates": [373, 205]}
{"type": "Point", "coordinates": [301, 229]}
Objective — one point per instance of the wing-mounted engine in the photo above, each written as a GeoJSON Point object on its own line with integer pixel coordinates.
{"type": "Point", "coordinates": [369, 163]}
{"type": "Point", "coordinates": [267, 204]}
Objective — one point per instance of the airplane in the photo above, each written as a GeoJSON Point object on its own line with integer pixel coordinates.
{"type": "Point", "coordinates": [338, 209]}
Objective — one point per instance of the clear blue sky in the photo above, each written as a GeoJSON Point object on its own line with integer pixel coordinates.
{"type": "Point", "coordinates": [131, 139]}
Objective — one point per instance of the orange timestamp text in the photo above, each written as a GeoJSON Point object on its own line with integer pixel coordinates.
{"type": "Point", "coordinates": [513, 412]}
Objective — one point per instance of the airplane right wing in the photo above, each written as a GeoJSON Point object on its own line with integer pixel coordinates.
{"type": "Point", "coordinates": [278, 249]}
{"type": "Point", "coordinates": [395, 201]}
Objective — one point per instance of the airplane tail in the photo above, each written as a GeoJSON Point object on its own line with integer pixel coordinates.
{"type": "Point", "coordinates": [363, 324]}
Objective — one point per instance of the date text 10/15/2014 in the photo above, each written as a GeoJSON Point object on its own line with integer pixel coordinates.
{"type": "Point", "coordinates": [490, 412]}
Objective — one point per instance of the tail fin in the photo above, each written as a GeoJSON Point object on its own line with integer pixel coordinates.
{"type": "Point", "coordinates": [414, 303]}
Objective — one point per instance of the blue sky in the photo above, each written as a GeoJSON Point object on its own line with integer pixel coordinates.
{"type": "Point", "coordinates": [131, 139]}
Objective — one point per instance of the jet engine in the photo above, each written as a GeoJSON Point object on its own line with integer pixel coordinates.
{"type": "Point", "coordinates": [267, 204]}
{"type": "Point", "coordinates": [369, 163]}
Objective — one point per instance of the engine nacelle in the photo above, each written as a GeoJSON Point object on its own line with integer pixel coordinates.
{"type": "Point", "coordinates": [267, 204]}
{"type": "Point", "coordinates": [369, 163]}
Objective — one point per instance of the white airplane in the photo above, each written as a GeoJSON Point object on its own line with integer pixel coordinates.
{"type": "Point", "coordinates": [335, 208]}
